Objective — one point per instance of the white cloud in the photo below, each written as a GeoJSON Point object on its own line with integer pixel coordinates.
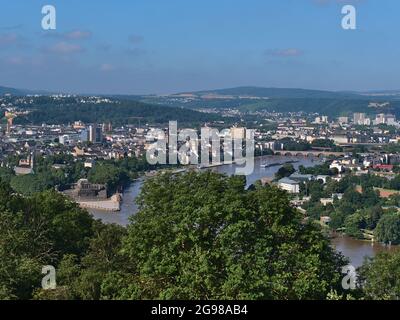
{"type": "Point", "coordinates": [64, 48]}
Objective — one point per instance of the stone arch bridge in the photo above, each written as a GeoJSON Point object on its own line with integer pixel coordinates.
{"type": "Point", "coordinates": [311, 153]}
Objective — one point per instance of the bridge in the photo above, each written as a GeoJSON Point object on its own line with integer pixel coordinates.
{"type": "Point", "coordinates": [309, 153]}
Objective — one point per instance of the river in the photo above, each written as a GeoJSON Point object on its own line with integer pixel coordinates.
{"type": "Point", "coordinates": [358, 250]}
{"type": "Point", "coordinates": [129, 207]}
{"type": "Point", "coordinates": [355, 250]}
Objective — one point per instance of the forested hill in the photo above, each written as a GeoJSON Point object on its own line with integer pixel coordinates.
{"type": "Point", "coordinates": [5, 90]}
{"type": "Point", "coordinates": [48, 110]}
{"type": "Point", "coordinates": [289, 93]}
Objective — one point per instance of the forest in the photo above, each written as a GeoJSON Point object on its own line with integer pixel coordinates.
{"type": "Point", "coordinates": [196, 236]}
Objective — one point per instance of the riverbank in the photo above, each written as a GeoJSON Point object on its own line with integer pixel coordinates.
{"type": "Point", "coordinates": [129, 207]}
{"type": "Point", "coordinates": [354, 249]}
{"type": "Point", "coordinates": [107, 205]}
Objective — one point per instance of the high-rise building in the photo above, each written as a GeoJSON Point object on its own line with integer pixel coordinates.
{"type": "Point", "coordinates": [107, 127]}
{"type": "Point", "coordinates": [84, 135]}
{"type": "Point", "coordinates": [385, 119]}
{"type": "Point", "coordinates": [380, 118]}
{"type": "Point", "coordinates": [390, 119]}
{"type": "Point", "coordinates": [359, 119]}
{"type": "Point", "coordinates": [95, 134]}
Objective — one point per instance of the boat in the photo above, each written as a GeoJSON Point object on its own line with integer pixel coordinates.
{"type": "Point", "coordinates": [266, 165]}
{"type": "Point", "coordinates": [291, 161]}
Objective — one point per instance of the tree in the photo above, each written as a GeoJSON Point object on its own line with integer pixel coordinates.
{"type": "Point", "coordinates": [388, 229]}
{"type": "Point", "coordinates": [83, 277]}
{"type": "Point", "coordinates": [353, 224]}
{"type": "Point", "coordinates": [204, 236]}
{"type": "Point", "coordinates": [379, 277]}
{"type": "Point", "coordinates": [285, 171]}
{"type": "Point", "coordinates": [34, 232]}
{"type": "Point", "coordinates": [372, 216]}
{"type": "Point", "coordinates": [108, 174]}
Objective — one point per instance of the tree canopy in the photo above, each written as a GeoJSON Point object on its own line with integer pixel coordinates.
{"type": "Point", "coordinates": [203, 236]}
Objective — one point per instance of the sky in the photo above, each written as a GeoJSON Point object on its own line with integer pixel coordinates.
{"type": "Point", "coordinates": [169, 46]}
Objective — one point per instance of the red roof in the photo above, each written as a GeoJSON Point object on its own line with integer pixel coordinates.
{"type": "Point", "coordinates": [383, 166]}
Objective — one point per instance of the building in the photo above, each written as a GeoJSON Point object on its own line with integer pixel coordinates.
{"type": "Point", "coordinates": [25, 166]}
{"type": "Point", "coordinates": [359, 119]}
{"type": "Point", "coordinates": [95, 134]}
{"type": "Point", "coordinates": [289, 185]}
{"type": "Point", "coordinates": [325, 220]}
{"type": "Point", "coordinates": [321, 120]}
{"type": "Point", "coordinates": [301, 177]}
{"type": "Point", "coordinates": [106, 127]}
{"type": "Point", "coordinates": [382, 118]}
{"type": "Point", "coordinates": [337, 165]}
{"type": "Point", "coordinates": [326, 201]}
{"type": "Point", "coordinates": [274, 145]}
{"type": "Point", "coordinates": [78, 125]}
{"type": "Point", "coordinates": [343, 120]}
{"type": "Point", "coordinates": [85, 189]}
{"type": "Point", "coordinates": [238, 133]}
{"type": "Point", "coordinates": [84, 135]}
{"type": "Point", "coordinates": [63, 139]}
{"type": "Point", "coordinates": [340, 139]}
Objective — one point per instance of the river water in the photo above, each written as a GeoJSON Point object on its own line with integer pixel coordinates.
{"type": "Point", "coordinates": [358, 250]}
{"type": "Point", "coordinates": [129, 207]}
{"type": "Point", "coordinates": [355, 250]}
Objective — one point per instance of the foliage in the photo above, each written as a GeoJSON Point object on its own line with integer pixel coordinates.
{"type": "Point", "coordinates": [322, 169]}
{"type": "Point", "coordinates": [388, 229]}
{"type": "Point", "coordinates": [36, 231]}
{"type": "Point", "coordinates": [67, 110]}
{"type": "Point", "coordinates": [202, 236]}
{"type": "Point", "coordinates": [285, 171]}
{"type": "Point", "coordinates": [379, 277]}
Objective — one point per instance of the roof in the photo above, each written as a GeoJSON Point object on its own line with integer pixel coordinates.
{"type": "Point", "coordinates": [301, 176]}
{"type": "Point", "coordinates": [287, 181]}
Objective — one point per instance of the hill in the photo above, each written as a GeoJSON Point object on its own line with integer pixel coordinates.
{"type": "Point", "coordinates": [13, 91]}
{"type": "Point", "coordinates": [21, 92]}
{"type": "Point", "coordinates": [254, 99]}
{"type": "Point", "coordinates": [278, 93]}
{"type": "Point", "coordinates": [61, 111]}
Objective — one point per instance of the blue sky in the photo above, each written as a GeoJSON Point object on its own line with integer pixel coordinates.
{"type": "Point", "coordinates": [165, 46]}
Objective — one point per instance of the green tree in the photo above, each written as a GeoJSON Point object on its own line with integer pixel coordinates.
{"type": "Point", "coordinates": [353, 224]}
{"type": "Point", "coordinates": [203, 236]}
{"type": "Point", "coordinates": [379, 277]}
{"type": "Point", "coordinates": [285, 171]}
{"type": "Point", "coordinates": [388, 229]}
{"type": "Point", "coordinates": [37, 231]}
{"type": "Point", "coordinates": [109, 174]}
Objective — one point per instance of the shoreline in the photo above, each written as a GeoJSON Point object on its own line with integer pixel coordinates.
{"type": "Point", "coordinates": [94, 205]}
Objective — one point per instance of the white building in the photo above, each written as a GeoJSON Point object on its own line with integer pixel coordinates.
{"type": "Point", "coordinates": [343, 120]}
{"type": "Point", "coordinates": [289, 185]}
{"type": "Point", "coordinates": [337, 165]}
{"type": "Point", "coordinates": [361, 119]}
